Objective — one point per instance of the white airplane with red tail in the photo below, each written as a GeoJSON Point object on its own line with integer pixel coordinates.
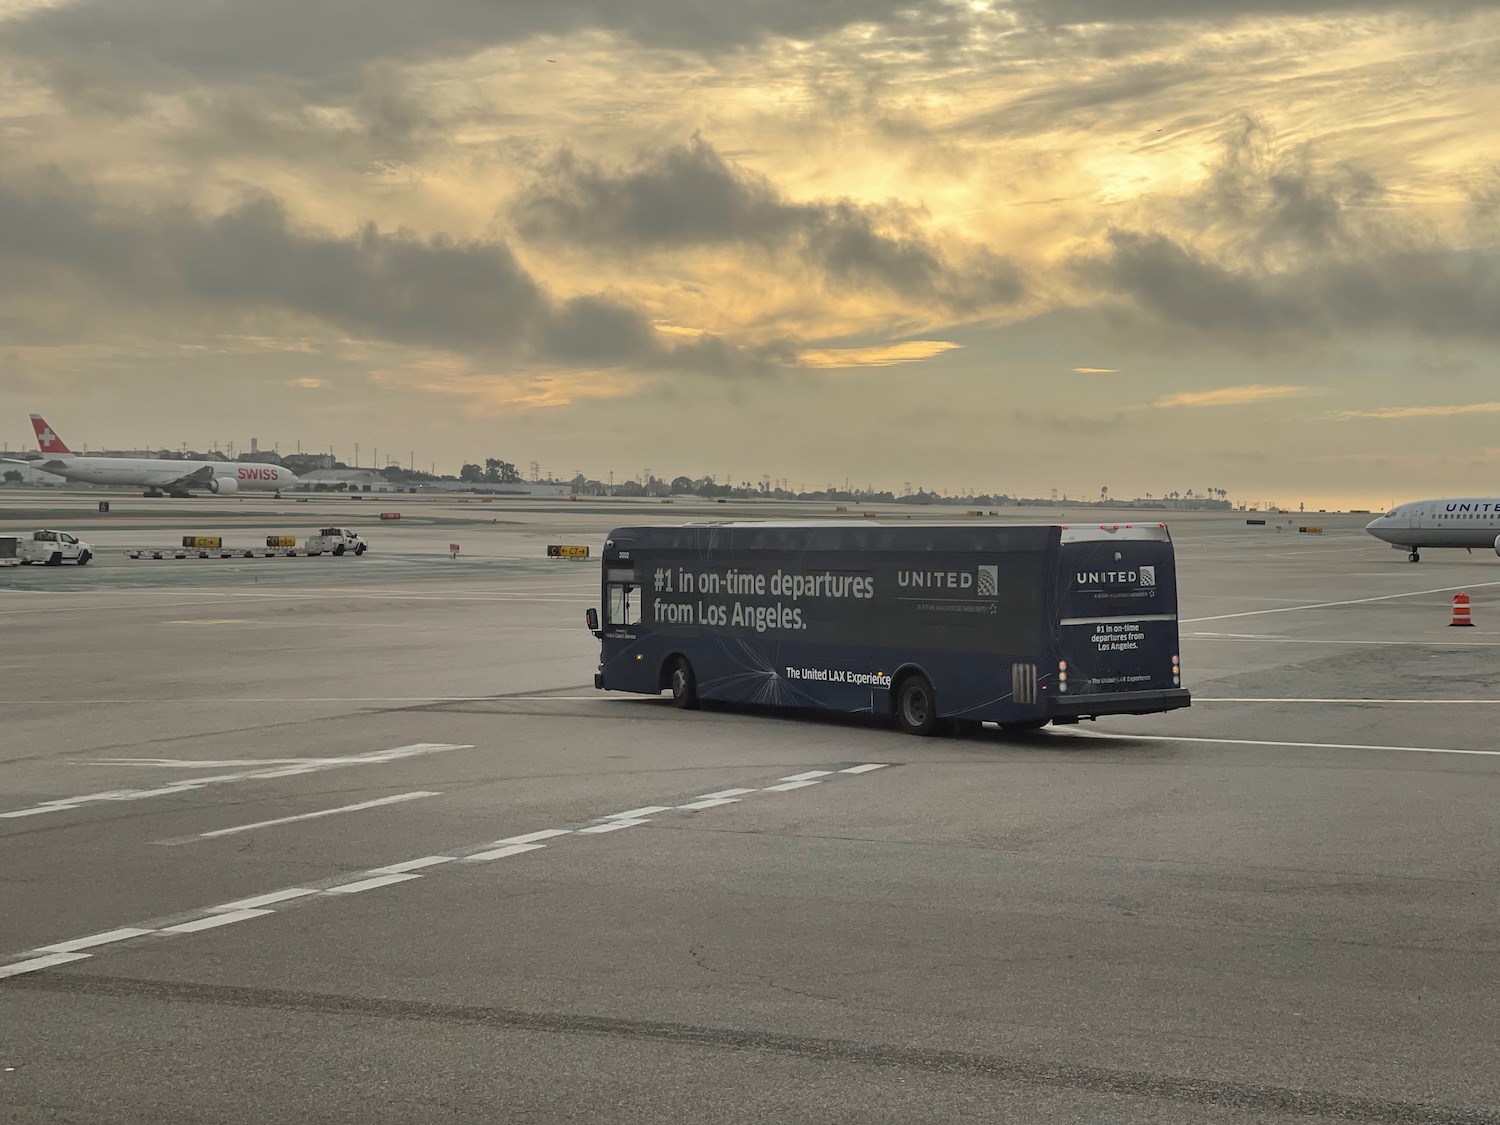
{"type": "Point", "coordinates": [156, 475]}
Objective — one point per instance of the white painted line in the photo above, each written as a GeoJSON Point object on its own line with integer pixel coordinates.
{"type": "Point", "coordinates": [1275, 699]}
{"type": "Point", "coordinates": [1284, 745]}
{"type": "Point", "coordinates": [787, 785]}
{"type": "Point", "coordinates": [711, 803]}
{"type": "Point", "coordinates": [533, 837]}
{"type": "Point", "coordinates": [636, 814]}
{"type": "Point", "coordinates": [868, 767]}
{"type": "Point", "coordinates": [411, 865]}
{"type": "Point", "coordinates": [610, 826]}
{"type": "Point", "coordinates": [369, 884]}
{"type": "Point", "coordinates": [1322, 641]}
{"type": "Point", "coordinates": [1331, 605]}
{"type": "Point", "coordinates": [727, 793]}
{"type": "Point", "coordinates": [214, 921]}
{"type": "Point", "coordinates": [397, 799]}
{"type": "Point", "coordinates": [35, 964]}
{"type": "Point", "coordinates": [122, 934]}
{"type": "Point", "coordinates": [37, 811]}
{"type": "Point", "coordinates": [316, 765]}
{"type": "Point", "coordinates": [809, 775]}
{"type": "Point", "coordinates": [262, 900]}
{"type": "Point", "coordinates": [501, 853]}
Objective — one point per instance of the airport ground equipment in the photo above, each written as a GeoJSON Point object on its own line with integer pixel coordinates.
{"type": "Point", "coordinates": [336, 541]}
{"type": "Point", "coordinates": [940, 626]}
{"type": "Point", "coordinates": [9, 551]}
{"type": "Point", "coordinates": [53, 548]}
{"type": "Point", "coordinates": [1461, 615]}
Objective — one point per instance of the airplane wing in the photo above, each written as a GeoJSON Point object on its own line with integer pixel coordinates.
{"type": "Point", "coordinates": [198, 478]}
{"type": "Point", "coordinates": [40, 466]}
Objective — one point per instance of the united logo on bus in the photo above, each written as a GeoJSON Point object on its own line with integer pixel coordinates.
{"type": "Point", "coordinates": [989, 581]}
{"type": "Point", "coordinates": [1148, 576]}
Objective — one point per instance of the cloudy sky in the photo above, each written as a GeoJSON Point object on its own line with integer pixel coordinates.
{"type": "Point", "coordinates": [1013, 245]}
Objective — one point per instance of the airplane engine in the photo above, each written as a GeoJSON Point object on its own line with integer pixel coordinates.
{"type": "Point", "coordinates": [223, 486]}
{"type": "Point", "coordinates": [1497, 544]}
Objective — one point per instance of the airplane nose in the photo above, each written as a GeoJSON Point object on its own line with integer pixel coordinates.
{"type": "Point", "coordinates": [1378, 521]}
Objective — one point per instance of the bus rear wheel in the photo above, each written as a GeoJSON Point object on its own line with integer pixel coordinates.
{"type": "Point", "coordinates": [916, 707]}
{"type": "Point", "coordinates": [683, 684]}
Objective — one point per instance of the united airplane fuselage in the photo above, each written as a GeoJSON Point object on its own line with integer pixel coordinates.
{"type": "Point", "coordinates": [1463, 522]}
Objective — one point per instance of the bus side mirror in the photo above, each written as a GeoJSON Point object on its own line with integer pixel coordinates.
{"type": "Point", "coordinates": [592, 618]}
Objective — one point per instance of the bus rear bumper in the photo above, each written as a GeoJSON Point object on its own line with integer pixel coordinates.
{"type": "Point", "coordinates": [1117, 703]}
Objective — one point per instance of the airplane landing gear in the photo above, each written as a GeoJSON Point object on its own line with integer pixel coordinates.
{"type": "Point", "coordinates": [1414, 556]}
{"type": "Point", "coordinates": [152, 493]}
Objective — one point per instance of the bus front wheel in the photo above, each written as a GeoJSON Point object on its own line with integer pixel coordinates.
{"type": "Point", "coordinates": [916, 707]}
{"type": "Point", "coordinates": [683, 684]}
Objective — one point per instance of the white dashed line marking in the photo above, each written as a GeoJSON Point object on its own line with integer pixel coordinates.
{"type": "Point", "coordinates": [262, 900]}
{"type": "Point", "coordinates": [122, 934]}
{"type": "Point", "coordinates": [257, 906]}
{"type": "Point", "coordinates": [38, 963]}
{"type": "Point", "coordinates": [636, 814]}
{"type": "Point", "coordinates": [610, 826]}
{"type": "Point", "coordinates": [370, 884]}
{"type": "Point", "coordinates": [533, 837]}
{"type": "Point", "coordinates": [502, 853]}
{"type": "Point", "coordinates": [711, 803]}
{"type": "Point", "coordinates": [214, 921]}
{"type": "Point", "coordinates": [412, 865]}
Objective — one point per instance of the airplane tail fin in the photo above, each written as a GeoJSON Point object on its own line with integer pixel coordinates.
{"type": "Point", "coordinates": [46, 438]}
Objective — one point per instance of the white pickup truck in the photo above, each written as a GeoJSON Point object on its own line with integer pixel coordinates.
{"type": "Point", "coordinates": [53, 548]}
{"type": "Point", "coordinates": [336, 541]}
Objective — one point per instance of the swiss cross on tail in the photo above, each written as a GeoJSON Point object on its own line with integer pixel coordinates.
{"type": "Point", "coordinates": [46, 440]}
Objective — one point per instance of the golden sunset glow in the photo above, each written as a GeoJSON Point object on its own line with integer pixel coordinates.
{"type": "Point", "coordinates": [584, 234]}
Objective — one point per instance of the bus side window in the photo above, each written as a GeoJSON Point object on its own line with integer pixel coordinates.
{"type": "Point", "coordinates": [624, 604]}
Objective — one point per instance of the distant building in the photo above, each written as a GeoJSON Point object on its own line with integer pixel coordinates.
{"type": "Point", "coordinates": [481, 488]}
{"type": "Point", "coordinates": [345, 480]}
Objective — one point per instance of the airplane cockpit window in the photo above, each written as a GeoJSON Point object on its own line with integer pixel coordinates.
{"type": "Point", "coordinates": [1392, 513]}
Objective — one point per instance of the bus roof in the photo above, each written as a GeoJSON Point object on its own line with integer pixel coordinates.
{"type": "Point", "coordinates": [805, 535]}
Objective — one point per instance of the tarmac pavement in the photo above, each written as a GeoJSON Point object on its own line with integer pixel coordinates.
{"type": "Point", "coordinates": [357, 842]}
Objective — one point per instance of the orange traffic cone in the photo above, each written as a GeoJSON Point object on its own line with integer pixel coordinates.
{"type": "Point", "coordinates": [1460, 610]}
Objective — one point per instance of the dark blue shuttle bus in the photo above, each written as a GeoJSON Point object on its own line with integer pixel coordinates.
{"type": "Point", "coordinates": [942, 626]}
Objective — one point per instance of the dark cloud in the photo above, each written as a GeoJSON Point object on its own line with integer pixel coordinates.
{"type": "Point", "coordinates": [1433, 293]}
{"type": "Point", "coordinates": [468, 296]}
{"type": "Point", "coordinates": [1063, 12]}
{"type": "Point", "coordinates": [1288, 252]}
{"type": "Point", "coordinates": [690, 196]}
{"type": "Point", "coordinates": [130, 45]}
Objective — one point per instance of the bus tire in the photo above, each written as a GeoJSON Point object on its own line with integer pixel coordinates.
{"type": "Point", "coordinates": [682, 684]}
{"type": "Point", "coordinates": [916, 706]}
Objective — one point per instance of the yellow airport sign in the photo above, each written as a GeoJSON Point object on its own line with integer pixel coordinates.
{"type": "Point", "coordinates": [557, 551]}
{"type": "Point", "coordinates": [281, 540]}
{"type": "Point", "coordinates": [203, 542]}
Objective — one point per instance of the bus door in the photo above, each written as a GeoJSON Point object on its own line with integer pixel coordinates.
{"type": "Point", "coordinates": [1118, 611]}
